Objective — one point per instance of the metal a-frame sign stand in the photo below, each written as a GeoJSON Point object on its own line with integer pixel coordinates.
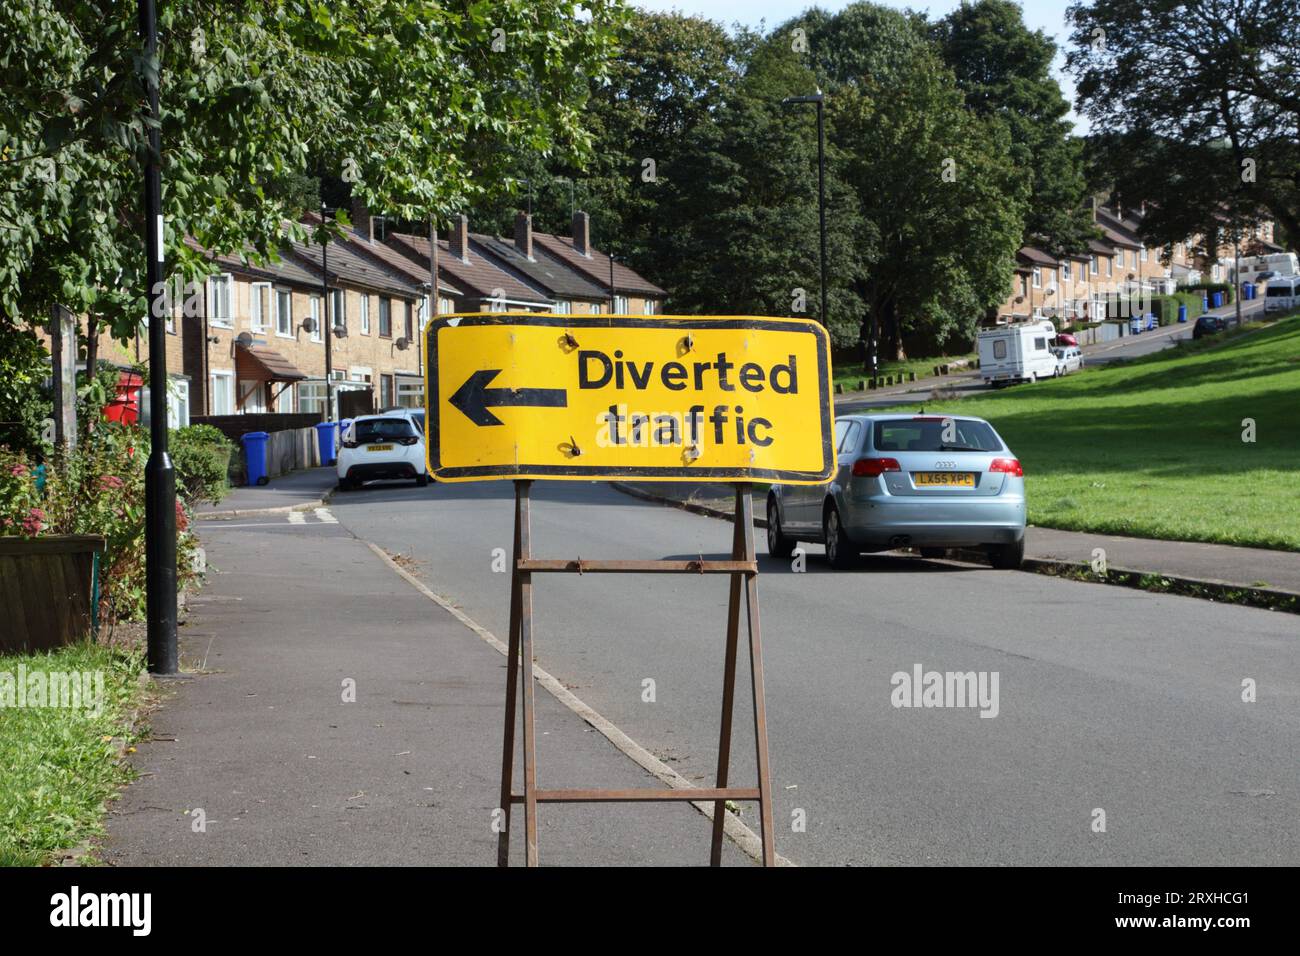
{"type": "Point", "coordinates": [507, 394]}
{"type": "Point", "coordinates": [743, 569]}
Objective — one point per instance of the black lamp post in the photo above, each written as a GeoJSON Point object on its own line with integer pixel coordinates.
{"type": "Point", "coordinates": [820, 99]}
{"type": "Point", "coordinates": [160, 478]}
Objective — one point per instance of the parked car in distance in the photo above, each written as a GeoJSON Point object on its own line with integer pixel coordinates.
{"type": "Point", "coordinates": [1208, 325]}
{"type": "Point", "coordinates": [1065, 338]}
{"type": "Point", "coordinates": [1019, 352]}
{"type": "Point", "coordinates": [931, 482]}
{"type": "Point", "coordinates": [1265, 276]}
{"type": "Point", "coordinates": [1282, 294]}
{"type": "Point", "coordinates": [379, 447]}
{"type": "Point", "coordinates": [1068, 359]}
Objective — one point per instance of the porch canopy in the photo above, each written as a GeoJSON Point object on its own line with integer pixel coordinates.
{"type": "Point", "coordinates": [259, 363]}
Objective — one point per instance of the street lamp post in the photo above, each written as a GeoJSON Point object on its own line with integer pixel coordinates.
{"type": "Point", "coordinates": [160, 477]}
{"type": "Point", "coordinates": [820, 99]}
{"type": "Point", "coordinates": [327, 330]}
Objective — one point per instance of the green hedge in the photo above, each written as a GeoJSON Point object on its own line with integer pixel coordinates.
{"type": "Point", "coordinates": [201, 456]}
{"type": "Point", "coordinates": [1166, 306]}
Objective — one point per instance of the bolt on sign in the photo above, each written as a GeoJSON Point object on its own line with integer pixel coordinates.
{"type": "Point", "coordinates": [726, 399]}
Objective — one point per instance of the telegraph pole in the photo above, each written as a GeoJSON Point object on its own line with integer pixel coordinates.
{"type": "Point", "coordinates": [160, 478]}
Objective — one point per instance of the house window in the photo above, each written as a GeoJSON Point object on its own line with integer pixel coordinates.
{"type": "Point", "coordinates": [1109, 268]}
{"type": "Point", "coordinates": [284, 400]}
{"type": "Point", "coordinates": [410, 394]}
{"type": "Point", "coordinates": [620, 305]}
{"type": "Point", "coordinates": [446, 306]}
{"type": "Point", "coordinates": [386, 317]}
{"type": "Point", "coordinates": [1094, 268]}
{"type": "Point", "coordinates": [284, 313]}
{"type": "Point", "coordinates": [365, 314]}
{"type": "Point", "coordinates": [220, 311]}
{"type": "Point", "coordinates": [650, 306]}
{"type": "Point", "coordinates": [1038, 277]}
{"type": "Point", "coordinates": [1065, 271]}
{"type": "Point", "coordinates": [385, 391]}
{"type": "Point", "coordinates": [563, 307]}
{"type": "Point", "coordinates": [222, 385]}
{"type": "Point", "coordinates": [178, 403]}
{"type": "Point", "coordinates": [1119, 257]}
{"type": "Point", "coordinates": [1143, 254]}
{"type": "Point", "coordinates": [338, 308]}
{"type": "Point", "coordinates": [314, 311]}
{"type": "Point", "coordinates": [312, 397]}
{"type": "Point", "coordinates": [359, 374]}
{"type": "Point", "coordinates": [259, 306]}
{"type": "Point", "coordinates": [410, 323]}
{"type": "Point", "coordinates": [1024, 286]}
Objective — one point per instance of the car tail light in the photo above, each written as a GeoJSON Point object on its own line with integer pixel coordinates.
{"type": "Point", "coordinates": [1009, 466]}
{"type": "Point", "coordinates": [349, 443]}
{"type": "Point", "coordinates": [409, 440]}
{"type": "Point", "coordinates": [874, 467]}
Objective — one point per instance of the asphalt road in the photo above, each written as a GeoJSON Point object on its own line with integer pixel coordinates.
{"type": "Point", "coordinates": [1108, 699]}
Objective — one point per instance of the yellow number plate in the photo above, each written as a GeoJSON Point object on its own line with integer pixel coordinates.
{"type": "Point", "coordinates": [946, 479]}
{"type": "Point", "coordinates": [380, 448]}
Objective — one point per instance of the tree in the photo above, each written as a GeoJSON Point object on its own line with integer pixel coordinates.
{"type": "Point", "coordinates": [1200, 104]}
{"type": "Point", "coordinates": [418, 104]}
{"type": "Point", "coordinates": [746, 195]}
{"type": "Point", "coordinates": [933, 181]}
{"type": "Point", "coordinates": [1004, 68]}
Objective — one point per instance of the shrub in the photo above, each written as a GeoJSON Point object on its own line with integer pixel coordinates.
{"type": "Point", "coordinates": [201, 456]}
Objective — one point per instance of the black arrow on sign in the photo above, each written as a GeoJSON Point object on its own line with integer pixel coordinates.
{"type": "Point", "coordinates": [474, 398]}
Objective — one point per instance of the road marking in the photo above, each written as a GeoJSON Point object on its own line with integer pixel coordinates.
{"type": "Point", "coordinates": [323, 514]}
{"type": "Point", "coordinates": [297, 517]}
{"type": "Point", "coordinates": [745, 838]}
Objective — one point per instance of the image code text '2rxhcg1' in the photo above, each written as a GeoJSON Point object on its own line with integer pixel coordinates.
{"type": "Point", "coordinates": [529, 395]}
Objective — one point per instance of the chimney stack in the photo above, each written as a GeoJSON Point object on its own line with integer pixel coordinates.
{"type": "Point", "coordinates": [524, 234]}
{"type": "Point", "coordinates": [362, 223]}
{"type": "Point", "coordinates": [582, 233]}
{"type": "Point", "coordinates": [459, 238]}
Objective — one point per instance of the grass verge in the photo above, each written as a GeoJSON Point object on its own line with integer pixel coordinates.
{"type": "Point", "coordinates": [1158, 447]}
{"type": "Point", "coordinates": [59, 765]}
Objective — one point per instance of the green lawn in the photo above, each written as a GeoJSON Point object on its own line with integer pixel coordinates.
{"type": "Point", "coordinates": [58, 765]}
{"type": "Point", "coordinates": [849, 374]}
{"type": "Point", "coordinates": [1154, 448]}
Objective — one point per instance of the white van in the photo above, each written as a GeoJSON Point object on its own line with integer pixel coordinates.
{"type": "Point", "coordinates": [1018, 353]}
{"type": "Point", "coordinates": [1282, 294]}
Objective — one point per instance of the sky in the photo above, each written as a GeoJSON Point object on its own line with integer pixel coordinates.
{"type": "Point", "coordinates": [1045, 15]}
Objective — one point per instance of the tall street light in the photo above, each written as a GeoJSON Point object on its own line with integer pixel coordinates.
{"type": "Point", "coordinates": [160, 477]}
{"type": "Point", "coordinates": [820, 99]}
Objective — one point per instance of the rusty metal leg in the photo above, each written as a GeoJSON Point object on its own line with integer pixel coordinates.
{"type": "Point", "coordinates": [526, 650]}
{"type": "Point", "coordinates": [728, 682]}
{"type": "Point", "coordinates": [756, 670]}
{"type": "Point", "coordinates": [512, 693]}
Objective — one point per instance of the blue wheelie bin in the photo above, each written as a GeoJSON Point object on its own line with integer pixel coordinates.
{"type": "Point", "coordinates": [1205, 303]}
{"type": "Point", "coordinates": [1182, 313]}
{"type": "Point", "coordinates": [325, 442]}
{"type": "Point", "coordinates": [255, 456]}
{"type": "Point", "coordinates": [1218, 300]}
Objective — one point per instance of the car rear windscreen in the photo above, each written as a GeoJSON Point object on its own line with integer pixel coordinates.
{"type": "Point", "coordinates": [381, 429]}
{"type": "Point", "coordinates": [935, 434]}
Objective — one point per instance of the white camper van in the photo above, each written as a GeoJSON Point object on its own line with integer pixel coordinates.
{"type": "Point", "coordinates": [1018, 353]}
{"type": "Point", "coordinates": [1282, 294]}
{"type": "Point", "coordinates": [1281, 265]}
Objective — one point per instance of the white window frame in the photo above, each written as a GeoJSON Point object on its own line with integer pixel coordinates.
{"type": "Point", "coordinates": [563, 307]}
{"type": "Point", "coordinates": [178, 403]}
{"type": "Point", "coordinates": [257, 318]}
{"type": "Point", "coordinates": [214, 318]}
{"type": "Point", "coordinates": [651, 306]}
{"type": "Point", "coordinates": [385, 310]}
{"type": "Point", "coordinates": [365, 313]}
{"type": "Point", "coordinates": [1142, 254]}
{"type": "Point", "coordinates": [279, 328]}
{"type": "Point", "coordinates": [1066, 272]}
{"type": "Point", "coordinates": [620, 305]}
{"type": "Point", "coordinates": [1120, 258]}
{"type": "Point", "coordinates": [1110, 266]}
{"type": "Point", "coordinates": [360, 373]}
{"type": "Point", "coordinates": [314, 310]}
{"type": "Point", "coordinates": [1095, 266]}
{"type": "Point", "coordinates": [318, 398]}
{"type": "Point", "coordinates": [254, 388]}
{"type": "Point", "coordinates": [338, 308]}
{"type": "Point", "coordinates": [446, 306]}
{"type": "Point", "coordinates": [227, 375]}
{"type": "Point", "coordinates": [1038, 277]}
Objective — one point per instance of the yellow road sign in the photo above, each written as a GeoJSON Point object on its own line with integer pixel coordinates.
{"type": "Point", "coordinates": [529, 395]}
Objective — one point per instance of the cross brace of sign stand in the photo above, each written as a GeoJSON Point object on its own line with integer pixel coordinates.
{"type": "Point", "coordinates": [743, 569]}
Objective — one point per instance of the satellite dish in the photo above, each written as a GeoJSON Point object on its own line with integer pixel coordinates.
{"type": "Point", "coordinates": [308, 324]}
{"type": "Point", "coordinates": [340, 331]}
{"type": "Point", "coordinates": [245, 339]}
{"type": "Point", "coordinates": [403, 344]}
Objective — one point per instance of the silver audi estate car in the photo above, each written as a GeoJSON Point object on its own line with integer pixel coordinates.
{"type": "Point", "coordinates": [930, 482]}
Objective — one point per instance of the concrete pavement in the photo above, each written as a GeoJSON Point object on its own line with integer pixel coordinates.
{"type": "Point", "coordinates": [298, 489]}
{"type": "Point", "coordinates": [285, 772]}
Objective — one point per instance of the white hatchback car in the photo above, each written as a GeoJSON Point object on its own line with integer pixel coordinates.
{"type": "Point", "coordinates": [377, 447]}
{"type": "Point", "coordinates": [1069, 358]}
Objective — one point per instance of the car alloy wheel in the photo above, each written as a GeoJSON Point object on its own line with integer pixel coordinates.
{"type": "Point", "coordinates": [838, 552]}
{"type": "Point", "coordinates": [778, 545]}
